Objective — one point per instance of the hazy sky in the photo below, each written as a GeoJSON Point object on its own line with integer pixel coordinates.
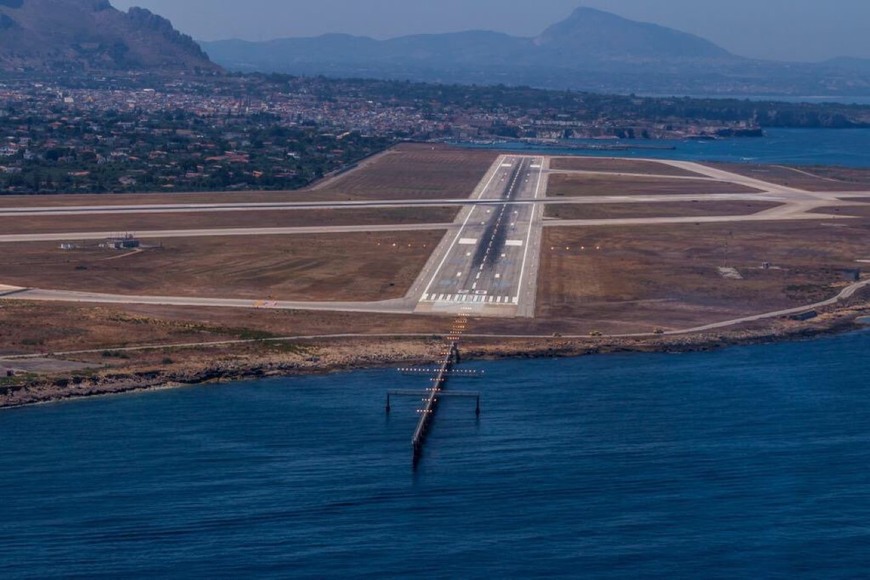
{"type": "Point", "coordinates": [775, 29]}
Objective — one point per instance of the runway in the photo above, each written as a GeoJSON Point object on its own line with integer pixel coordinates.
{"type": "Point", "coordinates": [489, 265]}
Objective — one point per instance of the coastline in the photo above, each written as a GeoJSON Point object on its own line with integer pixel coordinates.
{"type": "Point", "coordinates": [325, 357]}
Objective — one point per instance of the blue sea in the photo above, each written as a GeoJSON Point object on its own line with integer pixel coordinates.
{"type": "Point", "coordinates": [807, 147]}
{"type": "Point", "coordinates": [750, 462]}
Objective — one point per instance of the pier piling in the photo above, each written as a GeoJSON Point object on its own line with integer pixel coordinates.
{"type": "Point", "coordinates": [432, 396]}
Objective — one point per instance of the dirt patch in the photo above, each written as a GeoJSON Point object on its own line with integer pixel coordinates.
{"type": "Point", "coordinates": [582, 211]}
{"type": "Point", "coordinates": [564, 185]}
{"type": "Point", "coordinates": [635, 279]}
{"type": "Point", "coordinates": [241, 219]}
{"type": "Point", "coordinates": [608, 165]}
{"type": "Point", "coordinates": [845, 211]}
{"type": "Point", "coordinates": [42, 366]}
{"type": "Point", "coordinates": [333, 267]}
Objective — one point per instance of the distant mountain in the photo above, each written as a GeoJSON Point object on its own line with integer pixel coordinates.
{"type": "Point", "coordinates": [67, 35]}
{"type": "Point", "coordinates": [600, 36]}
{"type": "Point", "coordinates": [590, 50]}
{"type": "Point", "coordinates": [588, 36]}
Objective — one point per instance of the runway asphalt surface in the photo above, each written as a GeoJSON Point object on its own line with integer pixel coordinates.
{"type": "Point", "coordinates": [486, 265]}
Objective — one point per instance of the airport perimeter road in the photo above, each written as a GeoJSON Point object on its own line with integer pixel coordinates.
{"type": "Point", "coordinates": [399, 306]}
{"type": "Point", "coordinates": [489, 265]}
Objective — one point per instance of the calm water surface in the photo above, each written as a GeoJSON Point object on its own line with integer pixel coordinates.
{"type": "Point", "coordinates": [750, 462]}
{"type": "Point", "coordinates": [847, 147]}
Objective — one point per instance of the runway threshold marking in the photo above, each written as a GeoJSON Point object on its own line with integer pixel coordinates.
{"type": "Point", "coordinates": [467, 298]}
{"type": "Point", "coordinates": [461, 230]}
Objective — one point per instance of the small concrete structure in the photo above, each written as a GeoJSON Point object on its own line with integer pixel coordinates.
{"type": "Point", "coordinates": [127, 242]}
{"type": "Point", "coordinates": [804, 316]}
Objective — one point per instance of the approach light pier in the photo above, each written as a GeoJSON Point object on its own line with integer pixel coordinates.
{"type": "Point", "coordinates": [432, 396]}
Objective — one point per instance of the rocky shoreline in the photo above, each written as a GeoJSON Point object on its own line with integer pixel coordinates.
{"type": "Point", "coordinates": [329, 357]}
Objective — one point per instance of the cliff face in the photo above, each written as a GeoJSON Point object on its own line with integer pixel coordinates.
{"type": "Point", "coordinates": [76, 35]}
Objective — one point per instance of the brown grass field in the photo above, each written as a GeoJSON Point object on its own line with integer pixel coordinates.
{"type": "Point", "coordinates": [332, 267]}
{"type": "Point", "coordinates": [207, 220]}
{"type": "Point", "coordinates": [416, 172]}
{"type": "Point", "coordinates": [566, 185]}
{"type": "Point", "coordinates": [862, 211]}
{"type": "Point", "coordinates": [652, 276]}
{"type": "Point", "coordinates": [809, 178]}
{"type": "Point", "coordinates": [72, 327]}
{"type": "Point", "coordinates": [85, 326]}
{"type": "Point", "coordinates": [604, 164]}
{"type": "Point", "coordinates": [165, 198]}
{"type": "Point", "coordinates": [582, 211]}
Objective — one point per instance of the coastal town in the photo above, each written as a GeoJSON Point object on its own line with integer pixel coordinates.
{"type": "Point", "coordinates": [144, 133]}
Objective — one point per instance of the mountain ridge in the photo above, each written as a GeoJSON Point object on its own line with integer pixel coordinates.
{"type": "Point", "coordinates": [590, 50]}
{"type": "Point", "coordinates": [592, 31]}
{"type": "Point", "coordinates": [68, 35]}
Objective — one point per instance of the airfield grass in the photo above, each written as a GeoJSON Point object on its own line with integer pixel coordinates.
{"type": "Point", "coordinates": [635, 279]}
{"type": "Point", "coordinates": [323, 267]}
{"type": "Point", "coordinates": [847, 211]}
{"type": "Point", "coordinates": [416, 172]}
{"type": "Point", "coordinates": [228, 220]}
{"type": "Point", "coordinates": [567, 185]}
{"type": "Point", "coordinates": [821, 179]}
{"type": "Point", "coordinates": [582, 211]}
{"type": "Point", "coordinates": [612, 165]}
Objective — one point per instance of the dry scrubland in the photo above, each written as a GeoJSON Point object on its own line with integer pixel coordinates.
{"type": "Point", "coordinates": [226, 220]}
{"type": "Point", "coordinates": [580, 211]}
{"type": "Point", "coordinates": [416, 172]}
{"type": "Point", "coordinates": [808, 178]}
{"type": "Point", "coordinates": [608, 165]}
{"type": "Point", "coordinates": [667, 277]}
{"type": "Point", "coordinates": [325, 267]}
{"type": "Point", "coordinates": [860, 211]}
{"type": "Point", "coordinates": [123, 199]}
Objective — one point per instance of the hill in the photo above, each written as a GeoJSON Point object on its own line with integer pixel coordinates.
{"type": "Point", "coordinates": [75, 35]}
{"type": "Point", "coordinates": [590, 50]}
{"type": "Point", "coordinates": [592, 36]}
{"type": "Point", "coordinates": [597, 35]}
